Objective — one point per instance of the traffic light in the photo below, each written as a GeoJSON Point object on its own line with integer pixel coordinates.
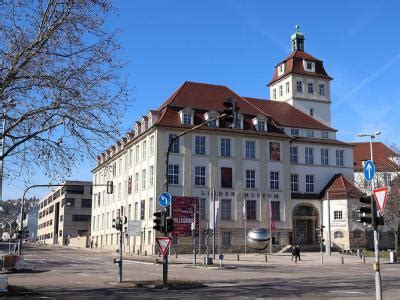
{"type": "Point", "coordinates": [117, 223]}
{"type": "Point", "coordinates": [170, 224]}
{"type": "Point", "coordinates": [365, 213]}
{"type": "Point", "coordinates": [230, 111]}
{"type": "Point", "coordinates": [378, 220]}
{"type": "Point", "coordinates": [26, 234]}
{"type": "Point", "coordinates": [159, 221]}
{"type": "Point", "coordinates": [110, 187]}
{"type": "Point", "coordinates": [124, 219]}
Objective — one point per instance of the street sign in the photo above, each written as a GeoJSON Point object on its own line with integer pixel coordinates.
{"type": "Point", "coordinates": [380, 198]}
{"type": "Point", "coordinates": [134, 228]}
{"type": "Point", "coordinates": [165, 199]}
{"type": "Point", "coordinates": [221, 256]}
{"type": "Point", "coordinates": [163, 244]}
{"type": "Point", "coordinates": [369, 170]}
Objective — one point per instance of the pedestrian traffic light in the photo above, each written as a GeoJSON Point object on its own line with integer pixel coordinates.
{"type": "Point", "coordinates": [159, 221]}
{"type": "Point", "coordinates": [230, 111]}
{"type": "Point", "coordinates": [110, 187]}
{"type": "Point", "coordinates": [365, 213]}
{"type": "Point", "coordinates": [117, 223]}
{"type": "Point", "coordinates": [170, 224]}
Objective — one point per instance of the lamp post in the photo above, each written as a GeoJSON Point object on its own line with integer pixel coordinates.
{"type": "Point", "coordinates": [378, 284]}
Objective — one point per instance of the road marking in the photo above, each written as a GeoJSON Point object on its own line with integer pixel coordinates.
{"type": "Point", "coordinates": [347, 292]}
{"type": "Point", "coordinates": [105, 277]}
{"type": "Point", "coordinates": [138, 262]}
{"type": "Point", "coordinates": [81, 274]}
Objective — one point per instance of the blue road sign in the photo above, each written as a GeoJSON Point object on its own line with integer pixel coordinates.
{"type": "Point", "coordinates": [369, 170]}
{"type": "Point", "coordinates": [165, 199]}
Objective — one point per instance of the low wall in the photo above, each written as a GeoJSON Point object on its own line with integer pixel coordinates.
{"type": "Point", "coordinates": [80, 242]}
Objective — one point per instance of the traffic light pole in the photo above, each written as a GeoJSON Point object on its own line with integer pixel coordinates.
{"type": "Point", "coordinates": [120, 249]}
{"type": "Point", "coordinates": [165, 257]}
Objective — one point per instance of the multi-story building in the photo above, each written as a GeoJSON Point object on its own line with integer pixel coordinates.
{"type": "Point", "coordinates": [65, 213]}
{"type": "Point", "coordinates": [280, 153]}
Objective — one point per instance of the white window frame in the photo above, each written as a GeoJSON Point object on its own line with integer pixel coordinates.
{"type": "Point", "coordinates": [294, 154]}
{"type": "Point", "coordinates": [338, 215]}
{"type": "Point", "coordinates": [339, 157]}
{"type": "Point", "coordinates": [309, 155]}
{"type": "Point", "coordinates": [310, 87]}
{"type": "Point", "coordinates": [226, 147]}
{"type": "Point", "coordinates": [325, 156]}
{"type": "Point", "coordinates": [250, 149]}
{"type": "Point", "coordinates": [299, 86]}
{"type": "Point", "coordinates": [274, 180]}
{"type": "Point", "coordinates": [200, 145]}
{"type": "Point", "coordinates": [294, 182]}
{"type": "Point", "coordinates": [250, 179]}
{"type": "Point", "coordinates": [199, 175]}
{"type": "Point", "coordinates": [173, 174]}
{"type": "Point", "coordinates": [310, 182]}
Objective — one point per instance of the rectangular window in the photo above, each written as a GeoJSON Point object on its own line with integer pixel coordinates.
{"type": "Point", "coordinates": [226, 209]}
{"type": "Point", "coordinates": [142, 209]}
{"type": "Point", "coordinates": [387, 178]}
{"type": "Point", "coordinates": [144, 150]}
{"type": "Point", "coordinates": [299, 86]}
{"type": "Point", "coordinates": [143, 179]}
{"type": "Point", "coordinates": [310, 183]}
{"type": "Point", "coordinates": [310, 133]}
{"type": "Point", "coordinates": [294, 182]}
{"type": "Point", "coordinates": [324, 134]}
{"type": "Point", "coordinates": [310, 88]}
{"type": "Point", "coordinates": [274, 93]}
{"type": "Point", "coordinates": [287, 88]}
{"type": "Point", "coordinates": [203, 204]}
{"type": "Point", "coordinates": [137, 154]}
{"type": "Point", "coordinates": [227, 239]}
{"type": "Point", "coordinates": [322, 89]}
{"type": "Point", "coordinates": [251, 210]}
{"type": "Point", "coordinates": [250, 149]}
{"type": "Point", "coordinates": [187, 119]}
{"type": "Point", "coordinates": [274, 151]}
{"type": "Point", "coordinates": [325, 157]}
{"type": "Point", "coordinates": [339, 158]}
{"type": "Point", "coordinates": [294, 154]}
{"type": "Point", "coordinates": [151, 176]}
{"type": "Point", "coordinates": [175, 145]}
{"type": "Point", "coordinates": [225, 147]}
{"type": "Point", "coordinates": [250, 179]}
{"type": "Point", "coordinates": [276, 211]}
{"type": "Point", "coordinates": [276, 238]}
{"type": "Point", "coordinates": [226, 177]}
{"type": "Point", "coordinates": [87, 203]}
{"type": "Point", "coordinates": [81, 218]}
{"type": "Point", "coordinates": [136, 182]}
{"type": "Point", "coordinates": [173, 174]}
{"type": "Point", "coordinates": [274, 180]}
{"type": "Point", "coordinates": [280, 90]}
{"type": "Point", "coordinates": [309, 65]}
{"type": "Point", "coordinates": [130, 157]}
{"type": "Point", "coordinates": [261, 125]}
{"type": "Point", "coordinates": [337, 215]}
{"type": "Point", "coordinates": [200, 176]}
{"type": "Point", "coordinates": [200, 145]}
{"type": "Point", "coordinates": [238, 123]}
{"type": "Point", "coordinates": [309, 156]}
{"type": "Point", "coordinates": [212, 123]}
{"type": "Point", "coordinates": [152, 145]}
{"type": "Point", "coordinates": [294, 131]}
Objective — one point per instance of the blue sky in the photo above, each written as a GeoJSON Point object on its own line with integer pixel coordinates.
{"type": "Point", "coordinates": [238, 43]}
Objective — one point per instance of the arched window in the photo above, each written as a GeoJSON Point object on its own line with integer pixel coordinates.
{"type": "Point", "coordinates": [338, 235]}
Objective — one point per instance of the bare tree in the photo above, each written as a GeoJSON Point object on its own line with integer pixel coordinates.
{"type": "Point", "coordinates": [61, 85]}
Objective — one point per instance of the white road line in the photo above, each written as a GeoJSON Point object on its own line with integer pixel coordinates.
{"type": "Point", "coordinates": [347, 292]}
{"type": "Point", "coordinates": [137, 262]}
{"type": "Point", "coordinates": [105, 277]}
{"type": "Point", "coordinates": [81, 274]}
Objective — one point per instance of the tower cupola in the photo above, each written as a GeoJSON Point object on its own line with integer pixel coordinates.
{"type": "Point", "coordinates": [297, 39]}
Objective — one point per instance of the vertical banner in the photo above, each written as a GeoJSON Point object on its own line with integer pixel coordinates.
{"type": "Point", "coordinates": [182, 213]}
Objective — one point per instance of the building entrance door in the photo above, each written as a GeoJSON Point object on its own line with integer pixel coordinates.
{"type": "Point", "coordinates": [305, 221]}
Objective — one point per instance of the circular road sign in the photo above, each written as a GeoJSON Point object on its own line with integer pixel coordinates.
{"type": "Point", "coordinates": [165, 199]}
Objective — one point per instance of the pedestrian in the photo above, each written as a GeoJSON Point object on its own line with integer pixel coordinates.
{"type": "Point", "coordinates": [297, 252]}
{"type": "Point", "coordinates": [91, 243]}
{"type": "Point", "coordinates": [293, 252]}
{"type": "Point", "coordinates": [96, 244]}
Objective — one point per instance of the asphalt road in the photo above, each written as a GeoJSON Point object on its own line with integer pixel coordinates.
{"type": "Point", "coordinates": [61, 272]}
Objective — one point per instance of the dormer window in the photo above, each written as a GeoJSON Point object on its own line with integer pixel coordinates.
{"type": "Point", "coordinates": [260, 123]}
{"type": "Point", "coordinates": [294, 131]}
{"type": "Point", "coordinates": [137, 129]}
{"type": "Point", "coordinates": [212, 115]}
{"type": "Point", "coordinates": [144, 124]}
{"type": "Point", "coordinates": [186, 115]}
{"type": "Point", "coordinates": [309, 66]}
{"type": "Point", "coordinates": [238, 123]}
{"type": "Point", "coordinates": [281, 69]}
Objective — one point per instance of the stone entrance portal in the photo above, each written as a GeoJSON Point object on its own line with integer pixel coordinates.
{"type": "Point", "coordinates": [305, 221]}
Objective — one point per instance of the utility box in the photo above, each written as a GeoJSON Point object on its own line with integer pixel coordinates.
{"type": "Point", "coordinates": [207, 260]}
{"type": "Point", "coordinates": [392, 257]}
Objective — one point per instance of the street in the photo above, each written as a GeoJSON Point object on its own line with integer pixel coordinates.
{"type": "Point", "coordinates": [62, 272]}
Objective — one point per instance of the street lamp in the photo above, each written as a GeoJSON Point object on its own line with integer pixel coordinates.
{"type": "Point", "coordinates": [378, 285]}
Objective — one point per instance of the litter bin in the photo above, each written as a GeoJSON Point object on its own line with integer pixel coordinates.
{"type": "Point", "coordinates": [392, 257]}
{"type": "Point", "coordinates": [207, 261]}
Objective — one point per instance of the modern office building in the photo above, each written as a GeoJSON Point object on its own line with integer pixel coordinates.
{"type": "Point", "coordinates": [280, 155]}
{"type": "Point", "coordinates": [65, 213]}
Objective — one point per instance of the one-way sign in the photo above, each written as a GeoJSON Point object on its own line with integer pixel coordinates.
{"type": "Point", "coordinates": [369, 170]}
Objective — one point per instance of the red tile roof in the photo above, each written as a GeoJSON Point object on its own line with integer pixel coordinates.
{"type": "Point", "coordinates": [204, 97]}
{"type": "Point", "coordinates": [382, 155]}
{"type": "Point", "coordinates": [294, 65]}
{"type": "Point", "coordinates": [341, 187]}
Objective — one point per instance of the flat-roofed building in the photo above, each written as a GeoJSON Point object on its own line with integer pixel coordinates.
{"type": "Point", "coordinates": [65, 213]}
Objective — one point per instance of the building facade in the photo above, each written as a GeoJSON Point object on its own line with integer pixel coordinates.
{"type": "Point", "coordinates": [279, 155]}
{"type": "Point", "coordinates": [65, 213]}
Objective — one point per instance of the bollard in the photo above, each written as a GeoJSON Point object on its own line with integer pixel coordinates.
{"type": "Point", "coordinates": [238, 258]}
{"type": "Point", "coordinates": [145, 252]}
{"type": "Point", "coordinates": [295, 260]}
{"type": "Point", "coordinates": [342, 259]}
{"type": "Point", "coordinates": [176, 254]}
{"type": "Point", "coordinates": [363, 259]}
{"type": "Point", "coordinates": [266, 257]}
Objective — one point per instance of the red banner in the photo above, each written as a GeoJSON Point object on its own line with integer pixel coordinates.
{"type": "Point", "coordinates": [182, 213]}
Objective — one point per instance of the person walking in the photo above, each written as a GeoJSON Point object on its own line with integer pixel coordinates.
{"type": "Point", "coordinates": [297, 252]}
{"type": "Point", "coordinates": [91, 243]}
{"type": "Point", "coordinates": [294, 252]}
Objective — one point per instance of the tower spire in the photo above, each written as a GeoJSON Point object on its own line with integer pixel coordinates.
{"type": "Point", "coordinates": [297, 39]}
